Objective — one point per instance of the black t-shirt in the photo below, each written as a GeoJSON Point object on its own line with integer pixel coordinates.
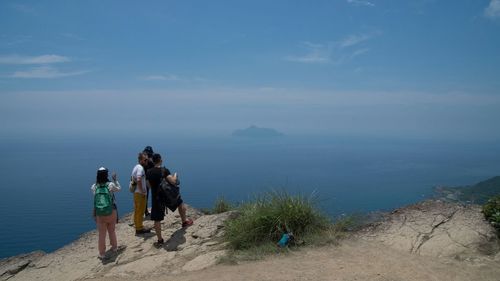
{"type": "Point", "coordinates": [148, 166]}
{"type": "Point", "coordinates": [155, 175]}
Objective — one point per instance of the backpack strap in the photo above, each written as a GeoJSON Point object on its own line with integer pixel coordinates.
{"type": "Point", "coordinates": [113, 199]}
{"type": "Point", "coordinates": [101, 185]}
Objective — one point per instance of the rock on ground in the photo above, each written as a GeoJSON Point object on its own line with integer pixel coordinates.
{"type": "Point", "coordinates": [439, 229]}
{"type": "Point", "coordinates": [191, 248]}
{"type": "Point", "coordinates": [9, 267]}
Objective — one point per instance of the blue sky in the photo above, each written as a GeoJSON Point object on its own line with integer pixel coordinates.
{"type": "Point", "coordinates": [412, 69]}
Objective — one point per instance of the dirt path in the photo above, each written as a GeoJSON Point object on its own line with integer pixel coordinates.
{"type": "Point", "coordinates": [353, 260]}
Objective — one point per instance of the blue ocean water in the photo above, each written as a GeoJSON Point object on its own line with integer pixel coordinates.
{"type": "Point", "coordinates": [46, 200]}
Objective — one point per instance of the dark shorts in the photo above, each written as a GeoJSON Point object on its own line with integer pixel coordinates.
{"type": "Point", "coordinates": [157, 209]}
{"type": "Point", "coordinates": [159, 205]}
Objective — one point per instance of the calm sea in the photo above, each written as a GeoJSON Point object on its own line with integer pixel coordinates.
{"type": "Point", "coordinates": [46, 200]}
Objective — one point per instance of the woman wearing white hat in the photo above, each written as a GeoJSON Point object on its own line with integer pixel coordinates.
{"type": "Point", "coordinates": [105, 212]}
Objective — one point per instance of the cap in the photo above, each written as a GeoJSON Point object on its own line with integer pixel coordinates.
{"type": "Point", "coordinates": [102, 171]}
{"type": "Point", "coordinates": [148, 150]}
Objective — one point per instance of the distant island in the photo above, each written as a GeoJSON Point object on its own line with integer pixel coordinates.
{"type": "Point", "coordinates": [256, 132]}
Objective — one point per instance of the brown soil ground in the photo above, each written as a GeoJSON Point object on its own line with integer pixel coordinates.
{"type": "Point", "coordinates": [352, 260]}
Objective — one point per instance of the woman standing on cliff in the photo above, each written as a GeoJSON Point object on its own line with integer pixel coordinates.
{"type": "Point", "coordinates": [105, 211]}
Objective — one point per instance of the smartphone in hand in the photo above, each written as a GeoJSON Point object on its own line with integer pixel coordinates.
{"type": "Point", "coordinates": [177, 181]}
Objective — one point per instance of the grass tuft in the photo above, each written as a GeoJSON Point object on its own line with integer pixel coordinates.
{"type": "Point", "coordinates": [221, 205]}
{"type": "Point", "coordinates": [264, 220]}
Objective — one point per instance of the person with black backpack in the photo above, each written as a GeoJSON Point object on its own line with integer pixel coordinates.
{"type": "Point", "coordinates": [161, 200]}
{"type": "Point", "coordinates": [105, 210]}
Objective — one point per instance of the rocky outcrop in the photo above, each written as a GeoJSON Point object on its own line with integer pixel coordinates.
{"type": "Point", "coordinates": [437, 228]}
{"type": "Point", "coordinates": [186, 249]}
{"type": "Point", "coordinates": [9, 267]}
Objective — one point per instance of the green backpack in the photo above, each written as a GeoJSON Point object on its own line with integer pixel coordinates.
{"type": "Point", "coordinates": [103, 202]}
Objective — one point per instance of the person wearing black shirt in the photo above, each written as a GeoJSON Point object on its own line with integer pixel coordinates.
{"type": "Point", "coordinates": [154, 177]}
{"type": "Point", "coordinates": [149, 151]}
{"type": "Point", "coordinates": [159, 203]}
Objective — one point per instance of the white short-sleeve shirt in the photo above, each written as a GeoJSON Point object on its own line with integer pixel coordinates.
{"type": "Point", "coordinates": [137, 172]}
{"type": "Point", "coordinates": [112, 186]}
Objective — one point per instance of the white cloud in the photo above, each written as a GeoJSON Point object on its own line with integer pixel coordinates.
{"type": "Point", "coordinates": [336, 53]}
{"type": "Point", "coordinates": [44, 59]}
{"type": "Point", "coordinates": [168, 77]}
{"type": "Point", "coordinates": [359, 52]}
{"type": "Point", "coordinates": [174, 78]}
{"type": "Point", "coordinates": [45, 72]}
{"type": "Point", "coordinates": [316, 53]}
{"type": "Point", "coordinates": [493, 10]}
{"type": "Point", "coordinates": [361, 3]}
{"type": "Point", "coordinates": [355, 39]}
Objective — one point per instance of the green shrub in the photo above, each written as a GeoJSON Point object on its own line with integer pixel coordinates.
{"type": "Point", "coordinates": [221, 205]}
{"type": "Point", "coordinates": [491, 211]}
{"type": "Point", "coordinates": [264, 220]}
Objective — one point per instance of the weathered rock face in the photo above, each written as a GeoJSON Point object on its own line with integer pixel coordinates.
{"type": "Point", "coordinates": [430, 228]}
{"type": "Point", "coordinates": [186, 249]}
{"type": "Point", "coordinates": [440, 229]}
{"type": "Point", "coordinates": [11, 266]}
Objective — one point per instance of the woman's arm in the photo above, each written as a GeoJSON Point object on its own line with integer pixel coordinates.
{"type": "Point", "coordinates": [115, 185]}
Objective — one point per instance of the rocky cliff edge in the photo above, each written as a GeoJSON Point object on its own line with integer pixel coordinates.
{"type": "Point", "coordinates": [441, 231]}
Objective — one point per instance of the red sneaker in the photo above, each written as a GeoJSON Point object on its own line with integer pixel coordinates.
{"type": "Point", "coordinates": [187, 223]}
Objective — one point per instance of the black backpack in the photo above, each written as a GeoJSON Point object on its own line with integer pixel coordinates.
{"type": "Point", "coordinates": [169, 192]}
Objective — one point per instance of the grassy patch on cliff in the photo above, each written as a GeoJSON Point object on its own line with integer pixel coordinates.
{"type": "Point", "coordinates": [262, 222]}
{"type": "Point", "coordinates": [221, 205]}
